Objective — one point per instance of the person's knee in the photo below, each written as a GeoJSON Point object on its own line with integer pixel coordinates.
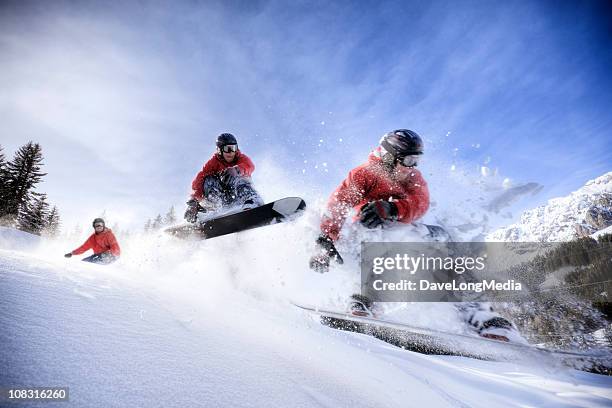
{"type": "Point", "coordinates": [211, 187]}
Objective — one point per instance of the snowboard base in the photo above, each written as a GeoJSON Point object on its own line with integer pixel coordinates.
{"type": "Point", "coordinates": [277, 211]}
{"type": "Point", "coordinates": [435, 342]}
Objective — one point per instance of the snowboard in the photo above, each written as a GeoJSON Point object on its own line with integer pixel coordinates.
{"type": "Point", "coordinates": [277, 211]}
{"type": "Point", "coordinates": [436, 342]}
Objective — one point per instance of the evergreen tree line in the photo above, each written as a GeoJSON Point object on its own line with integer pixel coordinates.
{"type": "Point", "coordinates": [567, 314]}
{"type": "Point", "coordinates": [21, 206]}
{"type": "Point", "coordinates": [158, 222]}
{"type": "Point", "coordinates": [590, 260]}
{"type": "Point", "coordinates": [579, 252]}
{"type": "Point", "coordinates": [590, 277]}
{"type": "Point", "coordinates": [592, 281]}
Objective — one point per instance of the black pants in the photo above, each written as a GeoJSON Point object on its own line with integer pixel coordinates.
{"type": "Point", "coordinates": [104, 258]}
{"type": "Point", "coordinates": [237, 192]}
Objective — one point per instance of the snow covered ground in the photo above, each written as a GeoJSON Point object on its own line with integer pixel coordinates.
{"type": "Point", "coordinates": [210, 324]}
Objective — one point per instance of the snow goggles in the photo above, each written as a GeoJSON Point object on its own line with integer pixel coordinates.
{"type": "Point", "coordinates": [409, 161]}
{"type": "Point", "coordinates": [98, 225]}
{"type": "Point", "coordinates": [229, 148]}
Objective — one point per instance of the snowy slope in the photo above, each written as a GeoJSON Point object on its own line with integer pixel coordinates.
{"type": "Point", "coordinates": [14, 239]}
{"type": "Point", "coordinates": [564, 218]}
{"type": "Point", "coordinates": [163, 329]}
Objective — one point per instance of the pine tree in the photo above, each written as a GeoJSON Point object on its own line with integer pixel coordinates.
{"type": "Point", "coordinates": [34, 215]}
{"type": "Point", "coordinates": [22, 175]}
{"type": "Point", "coordinates": [170, 217]}
{"type": "Point", "coordinates": [3, 177]}
{"type": "Point", "coordinates": [147, 226]}
{"type": "Point", "coordinates": [157, 222]}
{"type": "Point", "coordinates": [53, 223]}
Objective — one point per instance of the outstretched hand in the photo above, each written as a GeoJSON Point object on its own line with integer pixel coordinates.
{"type": "Point", "coordinates": [326, 252]}
{"type": "Point", "coordinates": [68, 255]}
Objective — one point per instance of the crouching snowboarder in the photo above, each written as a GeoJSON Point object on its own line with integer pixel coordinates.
{"type": "Point", "coordinates": [387, 190]}
{"type": "Point", "coordinates": [103, 243]}
{"type": "Point", "coordinates": [224, 181]}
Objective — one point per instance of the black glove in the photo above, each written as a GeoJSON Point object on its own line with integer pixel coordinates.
{"type": "Point", "coordinates": [327, 251]}
{"type": "Point", "coordinates": [228, 176]}
{"type": "Point", "coordinates": [375, 213]}
{"type": "Point", "coordinates": [191, 213]}
{"type": "Point", "coordinates": [68, 255]}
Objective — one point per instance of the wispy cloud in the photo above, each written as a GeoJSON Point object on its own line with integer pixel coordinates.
{"type": "Point", "coordinates": [126, 99]}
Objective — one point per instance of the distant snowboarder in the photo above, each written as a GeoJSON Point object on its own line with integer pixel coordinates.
{"type": "Point", "coordinates": [387, 189]}
{"type": "Point", "coordinates": [224, 181]}
{"type": "Point", "coordinates": [103, 243]}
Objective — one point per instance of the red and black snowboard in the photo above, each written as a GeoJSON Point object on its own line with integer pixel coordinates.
{"type": "Point", "coordinates": [277, 211]}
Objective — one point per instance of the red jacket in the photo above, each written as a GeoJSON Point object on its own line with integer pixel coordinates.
{"type": "Point", "coordinates": [102, 242]}
{"type": "Point", "coordinates": [369, 182]}
{"type": "Point", "coordinates": [215, 165]}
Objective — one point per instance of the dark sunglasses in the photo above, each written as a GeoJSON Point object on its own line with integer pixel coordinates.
{"type": "Point", "coordinates": [229, 148]}
{"type": "Point", "coordinates": [99, 225]}
{"type": "Point", "coordinates": [409, 161]}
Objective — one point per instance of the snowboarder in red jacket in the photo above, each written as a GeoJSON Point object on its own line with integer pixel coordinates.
{"type": "Point", "coordinates": [387, 189]}
{"type": "Point", "coordinates": [224, 181]}
{"type": "Point", "coordinates": [102, 242]}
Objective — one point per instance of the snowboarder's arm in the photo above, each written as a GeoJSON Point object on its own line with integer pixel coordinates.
{"type": "Point", "coordinates": [86, 246]}
{"type": "Point", "coordinates": [114, 246]}
{"type": "Point", "coordinates": [211, 167]}
{"type": "Point", "coordinates": [245, 164]}
{"type": "Point", "coordinates": [416, 204]}
{"type": "Point", "coordinates": [326, 252]}
{"type": "Point", "coordinates": [348, 194]}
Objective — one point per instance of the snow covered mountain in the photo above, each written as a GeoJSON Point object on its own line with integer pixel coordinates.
{"type": "Point", "coordinates": [581, 213]}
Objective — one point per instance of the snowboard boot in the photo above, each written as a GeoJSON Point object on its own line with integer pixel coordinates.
{"type": "Point", "coordinates": [248, 204]}
{"type": "Point", "coordinates": [489, 324]}
{"type": "Point", "coordinates": [499, 328]}
{"type": "Point", "coordinates": [360, 305]}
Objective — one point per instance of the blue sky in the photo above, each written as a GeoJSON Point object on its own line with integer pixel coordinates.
{"type": "Point", "coordinates": [126, 99]}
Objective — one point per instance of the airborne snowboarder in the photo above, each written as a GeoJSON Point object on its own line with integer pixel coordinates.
{"type": "Point", "coordinates": [224, 181]}
{"type": "Point", "coordinates": [387, 190]}
{"type": "Point", "coordinates": [223, 191]}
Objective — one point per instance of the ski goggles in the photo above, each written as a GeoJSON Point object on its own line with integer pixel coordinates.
{"type": "Point", "coordinates": [229, 148]}
{"type": "Point", "coordinates": [98, 225]}
{"type": "Point", "coordinates": [409, 161]}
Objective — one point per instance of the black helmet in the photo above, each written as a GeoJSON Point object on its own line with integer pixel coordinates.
{"type": "Point", "coordinates": [225, 139]}
{"type": "Point", "coordinates": [98, 221]}
{"type": "Point", "coordinates": [401, 143]}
